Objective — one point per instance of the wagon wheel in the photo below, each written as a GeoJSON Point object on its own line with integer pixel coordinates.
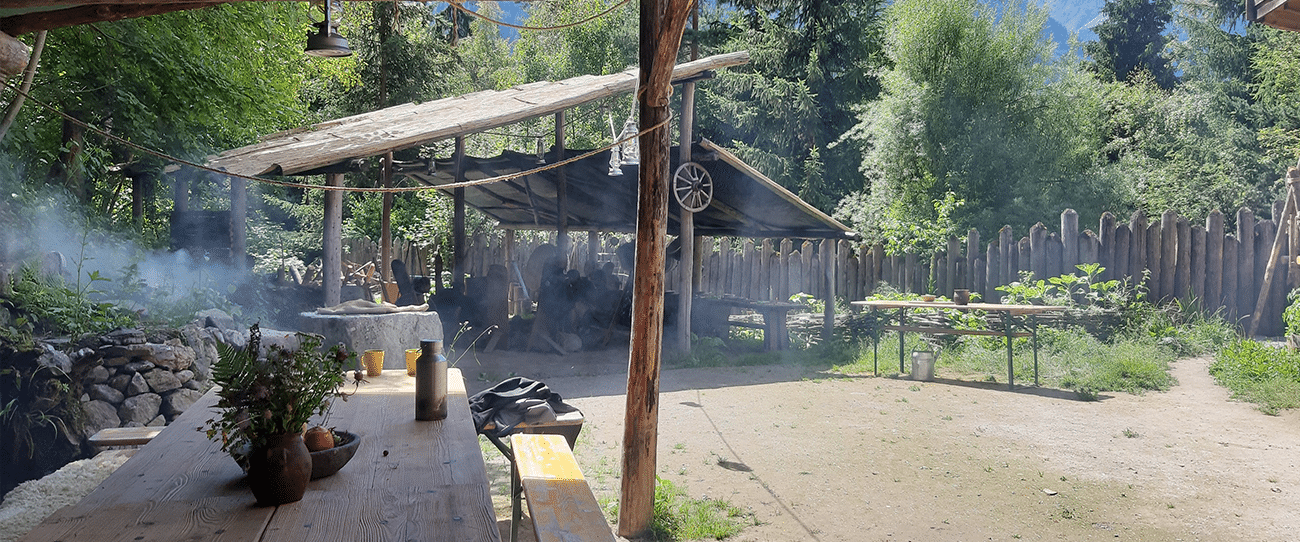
{"type": "Point", "coordinates": [693, 187]}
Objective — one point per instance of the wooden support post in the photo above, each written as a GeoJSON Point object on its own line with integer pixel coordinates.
{"type": "Point", "coordinates": [332, 243]}
{"type": "Point", "coordinates": [14, 56]}
{"type": "Point", "coordinates": [181, 191]}
{"type": "Point", "coordinates": [828, 312]}
{"type": "Point", "coordinates": [1288, 213]}
{"type": "Point", "coordinates": [661, 26]}
{"type": "Point", "coordinates": [561, 195]}
{"type": "Point", "coordinates": [239, 223]}
{"type": "Point", "coordinates": [459, 252]}
{"type": "Point", "coordinates": [386, 223]}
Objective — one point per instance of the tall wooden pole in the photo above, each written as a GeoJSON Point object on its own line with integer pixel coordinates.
{"type": "Point", "coordinates": [239, 224]}
{"type": "Point", "coordinates": [459, 250]}
{"type": "Point", "coordinates": [332, 260]}
{"type": "Point", "coordinates": [386, 223]}
{"type": "Point", "coordinates": [561, 195]}
{"type": "Point", "coordinates": [662, 22]}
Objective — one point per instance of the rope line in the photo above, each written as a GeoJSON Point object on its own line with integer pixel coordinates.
{"type": "Point", "coordinates": [448, 186]}
{"type": "Point", "coordinates": [473, 13]}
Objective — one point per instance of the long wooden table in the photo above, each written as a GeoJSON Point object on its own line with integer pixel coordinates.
{"type": "Point", "coordinates": [409, 480]}
{"type": "Point", "coordinates": [715, 315]}
{"type": "Point", "coordinates": [1013, 317]}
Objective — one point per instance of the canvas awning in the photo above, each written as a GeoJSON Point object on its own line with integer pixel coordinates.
{"type": "Point", "coordinates": [745, 202]}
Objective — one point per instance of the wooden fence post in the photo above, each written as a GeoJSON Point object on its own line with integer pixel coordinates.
{"type": "Point", "coordinates": [1168, 254]}
{"type": "Point", "coordinates": [1052, 260]}
{"type": "Point", "coordinates": [1069, 241]}
{"type": "Point", "coordinates": [1183, 256]}
{"type": "Point", "coordinates": [1007, 256]}
{"type": "Point", "coordinates": [1246, 256]}
{"type": "Point", "coordinates": [828, 278]}
{"type": "Point", "coordinates": [1230, 271]}
{"type": "Point", "coordinates": [1154, 253]}
{"type": "Point", "coordinates": [1198, 264]}
{"type": "Point", "coordinates": [1214, 261]}
{"type": "Point", "coordinates": [974, 275]}
{"type": "Point", "coordinates": [1137, 259]}
{"type": "Point", "coordinates": [806, 258]}
{"type": "Point", "coordinates": [1106, 255]}
{"type": "Point", "coordinates": [1120, 255]}
{"type": "Point", "coordinates": [1265, 234]}
{"type": "Point", "coordinates": [954, 254]}
{"type": "Point", "coordinates": [1020, 256]}
{"type": "Point", "coordinates": [993, 275]}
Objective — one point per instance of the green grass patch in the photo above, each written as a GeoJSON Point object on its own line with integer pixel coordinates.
{"type": "Point", "coordinates": [1261, 374]}
{"type": "Point", "coordinates": [679, 517]}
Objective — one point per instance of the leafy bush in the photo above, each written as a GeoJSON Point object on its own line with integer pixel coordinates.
{"type": "Point", "coordinates": [1291, 314]}
{"type": "Point", "coordinates": [1254, 372]}
{"type": "Point", "coordinates": [44, 305]}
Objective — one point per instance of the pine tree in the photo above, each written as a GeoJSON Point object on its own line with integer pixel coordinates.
{"type": "Point", "coordinates": [1132, 38]}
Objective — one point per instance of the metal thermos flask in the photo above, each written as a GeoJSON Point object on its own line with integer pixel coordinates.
{"type": "Point", "coordinates": [430, 382]}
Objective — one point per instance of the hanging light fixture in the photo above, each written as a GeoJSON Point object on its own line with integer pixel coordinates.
{"type": "Point", "coordinates": [630, 150]}
{"type": "Point", "coordinates": [541, 151]}
{"type": "Point", "coordinates": [326, 40]}
{"type": "Point", "coordinates": [614, 159]}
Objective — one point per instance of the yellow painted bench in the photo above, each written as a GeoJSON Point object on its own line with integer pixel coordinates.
{"type": "Point", "coordinates": [560, 502]}
{"type": "Point", "coordinates": [124, 436]}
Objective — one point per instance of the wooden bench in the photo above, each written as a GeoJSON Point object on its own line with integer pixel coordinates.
{"type": "Point", "coordinates": [560, 502]}
{"type": "Point", "coordinates": [124, 436]}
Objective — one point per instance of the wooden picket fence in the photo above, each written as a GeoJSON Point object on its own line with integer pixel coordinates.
{"type": "Point", "coordinates": [1203, 266]}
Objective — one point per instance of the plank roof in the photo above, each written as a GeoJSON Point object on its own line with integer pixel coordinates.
{"type": "Point", "coordinates": [413, 124]}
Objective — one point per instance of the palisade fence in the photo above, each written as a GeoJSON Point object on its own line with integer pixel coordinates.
{"type": "Point", "coordinates": [1202, 266]}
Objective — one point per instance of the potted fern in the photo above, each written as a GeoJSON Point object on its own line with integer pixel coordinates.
{"type": "Point", "coordinates": [266, 403]}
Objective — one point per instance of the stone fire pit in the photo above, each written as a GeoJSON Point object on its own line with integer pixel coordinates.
{"type": "Point", "coordinates": [393, 333]}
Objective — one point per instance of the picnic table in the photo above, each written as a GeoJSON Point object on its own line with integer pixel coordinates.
{"type": "Point", "coordinates": [715, 316]}
{"type": "Point", "coordinates": [1011, 317]}
{"type": "Point", "coordinates": [409, 480]}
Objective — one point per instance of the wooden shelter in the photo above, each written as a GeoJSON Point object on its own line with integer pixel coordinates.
{"type": "Point", "coordinates": [1283, 14]}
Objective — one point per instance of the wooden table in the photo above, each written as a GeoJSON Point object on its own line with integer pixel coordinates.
{"type": "Point", "coordinates": [775, 334]}
{"type": "Point", "coordinates": [1013, 317]}
{"type": "Point", "coordinates": [408, 481]}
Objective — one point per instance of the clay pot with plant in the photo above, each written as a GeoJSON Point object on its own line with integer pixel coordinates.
{"type": "Point", "coordinates": [266, 402]}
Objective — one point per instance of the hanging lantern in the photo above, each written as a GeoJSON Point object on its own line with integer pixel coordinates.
{"type": "Point", "coordinates": [630, 150]}
{"type": "Point", "coordinates": [326, 40]}
{"type": "Point", "coordinates": [614, 162]}
{"type": "Point", "coordinates": [541, 151]}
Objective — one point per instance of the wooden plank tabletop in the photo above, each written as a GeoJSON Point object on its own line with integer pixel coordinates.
{"type": "Point", "coordinates": [409, 481]}
{"type": "Point", "coordinates": [988, 307]}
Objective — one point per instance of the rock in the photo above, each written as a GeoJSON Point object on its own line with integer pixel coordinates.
{"type": "Point", "coordinates": [215, 318]}
{"type": "Point", "coordinates": [161, 380]}
{"type": "Point", "coordinates": [163, 355]}
{"type": "Point", "coordinates": [54, 359]}
{"type": "Point", "coordinates": [140, 409]}
{"type": "Point", "coordinates": [99, 415]}
{"type": "Point", "coordinates": [176, 402]}
{"type": "Point", "coordinates": [184, 376]}
{"type": "Point", "coordinates": [125, 336]}
{"type": "Point", "coordinates": [138, 366]}
{"type": "Point", "coordinates": [136, 386]}
{"type": "Point", "coordinates": [97, 375]}
{"type": "Point", "coordinates": [570, 342]}
{"type": "Point", "coordinates": [158, 421]}
{"type": "Point", "coordinates": [106, 393]}
{"type": "Point", "coordinates": [183, 355]}
{"type": "Point", "coordinates": [120, 382]}
{"type": "Point", "coordinates": [194, 385]}
{"type": "Point", "coordinates": [132, 424]}
{"type": "Point", "coordinates": [116, 361]}
{"type": "Point", "coordinates": [204, 345]}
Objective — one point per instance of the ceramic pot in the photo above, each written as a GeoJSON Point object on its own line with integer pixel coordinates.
{"type": "Point", "coordinates": [278, 473]}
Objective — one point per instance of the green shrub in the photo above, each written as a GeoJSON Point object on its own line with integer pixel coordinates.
{"type": "Point", "coordinates": [1260, 374]}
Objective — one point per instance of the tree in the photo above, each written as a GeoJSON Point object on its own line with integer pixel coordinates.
{"type": "Point", "coordinates": [974, 106]}
{"type": "Point", "coordinates": [813, 62]}
{"type": "Point", "coordinates": [1132, 38]}
{"type": "Point", "coordinates": [164, 83]}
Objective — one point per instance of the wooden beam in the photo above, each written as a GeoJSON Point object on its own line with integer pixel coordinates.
{"type": "Point", "coordinates": [17, 25]}
{"type": "Point", "coordinates": [14, 56]}
{"type": "Point", "coordinates": [661, 25]}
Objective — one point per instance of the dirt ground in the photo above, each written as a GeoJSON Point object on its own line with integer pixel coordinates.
{"type": "Point", "coordinates": [823, 457]}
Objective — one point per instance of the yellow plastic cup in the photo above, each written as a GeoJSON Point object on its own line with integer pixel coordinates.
{"type": "Point", "coordinates": [412, 354]}
{"type": "Point", "coordinates": [374, 360]}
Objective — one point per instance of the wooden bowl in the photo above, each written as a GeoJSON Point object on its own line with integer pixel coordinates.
{"type": "Point", "coordinates": [927, 298]}
{"type": "Point", "coordinates": [327, 462]}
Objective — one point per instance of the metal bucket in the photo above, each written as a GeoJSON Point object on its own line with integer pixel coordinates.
{"type": "Point", "coordinates": [922, 365]}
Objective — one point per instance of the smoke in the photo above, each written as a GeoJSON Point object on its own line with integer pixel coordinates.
{"type": "Point", "coordinates": [46, 228]}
